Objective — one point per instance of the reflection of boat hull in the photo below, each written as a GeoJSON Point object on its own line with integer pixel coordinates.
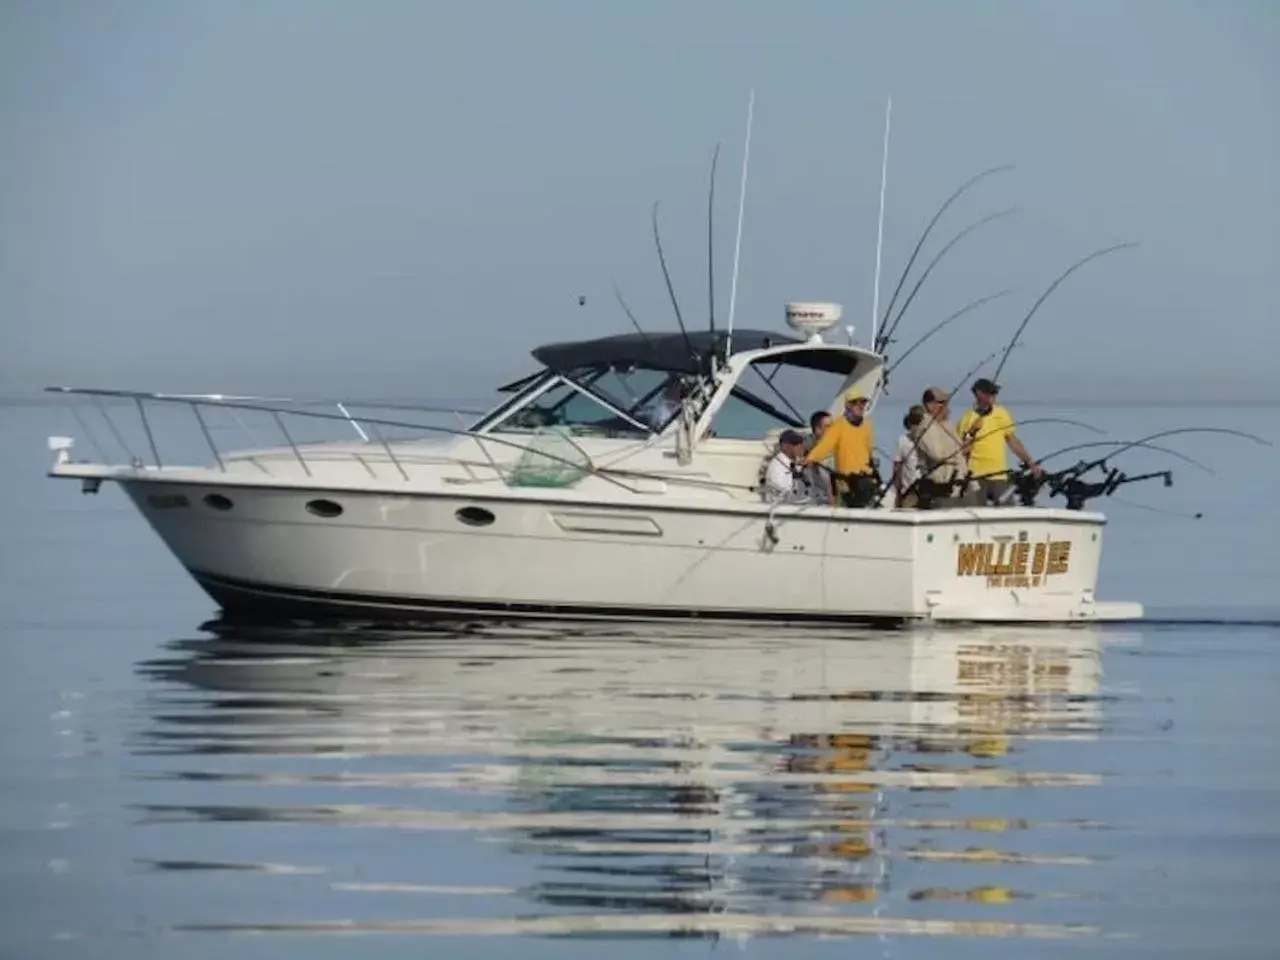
{"type": "Point", "coordinates": [999, 679]}
{"type": "Point", "coordinates": [530, 556]}
{"type": "Point", "coordinates": [660, 773]}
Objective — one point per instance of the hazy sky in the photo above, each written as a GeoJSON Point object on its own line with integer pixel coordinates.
{"type": "Point", "coordinates": [403, 198]}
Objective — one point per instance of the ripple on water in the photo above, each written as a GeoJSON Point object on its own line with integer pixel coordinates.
{"type": "Point", "coordinates": [569, 781]}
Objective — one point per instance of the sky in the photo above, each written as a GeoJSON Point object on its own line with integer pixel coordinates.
{"type": "Point", "coordinates": [402, 199]}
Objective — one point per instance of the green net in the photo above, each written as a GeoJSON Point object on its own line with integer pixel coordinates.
{"type": "Point", "coordinates": [550, 460]}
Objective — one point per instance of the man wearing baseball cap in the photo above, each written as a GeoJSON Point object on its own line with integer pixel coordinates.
{"type": "Point", "coordinates": [942, 462]}
{"type": "Point", "coordinates": [781, 479]}
{"type": "Point", "coordinates": [851, 439]}
{"type": "Point", "coordinates": [988, 428]}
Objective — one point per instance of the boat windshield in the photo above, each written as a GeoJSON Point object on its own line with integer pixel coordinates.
{"type": "Point", "coordinates": [608, 403]}
{"type": "Point", "coordinates": [776, 391]}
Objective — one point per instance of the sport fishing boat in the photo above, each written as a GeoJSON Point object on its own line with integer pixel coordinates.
{"type": "Point", "coordinates": [621, 479]}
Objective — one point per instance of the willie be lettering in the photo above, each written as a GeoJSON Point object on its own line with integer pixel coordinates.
{"type": "Point", "coordinates": [1006, 563]}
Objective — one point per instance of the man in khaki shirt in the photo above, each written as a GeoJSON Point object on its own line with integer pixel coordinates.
{"type": "Point", "coordinates": [943, 466]}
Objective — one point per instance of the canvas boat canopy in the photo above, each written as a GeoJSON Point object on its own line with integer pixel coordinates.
{"type": "Point", "coordinates": [673, 353]}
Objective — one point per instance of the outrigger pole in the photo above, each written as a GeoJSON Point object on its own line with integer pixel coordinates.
{"type": "Point", "coordinates": [742, 202]}
{"type": "Point", "coordinates": [884, 180]}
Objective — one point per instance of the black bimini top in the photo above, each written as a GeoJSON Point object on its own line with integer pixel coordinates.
{"type": "Point", "coordinates": [673, 352]}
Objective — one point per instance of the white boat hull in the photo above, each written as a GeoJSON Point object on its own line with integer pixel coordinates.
{"type": "Point", "coordinates": [410, 555]}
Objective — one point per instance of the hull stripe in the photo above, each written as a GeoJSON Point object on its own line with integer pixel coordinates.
{"type": "Point", "coordinates": [262, 599]}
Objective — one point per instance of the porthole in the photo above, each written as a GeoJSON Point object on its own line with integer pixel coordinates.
{"type": "Point", "coordinates": [475, 516]}
{"type": "Point", "coordinates": [324, 508]}
{"type": "Point", "coordinates": [217, 501]}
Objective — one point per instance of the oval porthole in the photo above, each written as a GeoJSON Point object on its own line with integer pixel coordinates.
{"type": "Point", "coordinates": [217, 501]}
{"type": "Point", "coordinates": [475, 516]}
{"type": "Point", "coordinates": [324, 508]}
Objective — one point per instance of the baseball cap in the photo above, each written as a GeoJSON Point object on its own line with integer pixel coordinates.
{"type": "Point", "coordinates": [936, 395]}
{"type": "Point", "coordinates": [986, 386]}
{"type": "Point", "coordinates": [853, 394]}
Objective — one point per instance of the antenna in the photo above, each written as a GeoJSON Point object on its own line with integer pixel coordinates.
{"type": "Point", "coordinates": [742, 201]}
{"type": "Point", "coordinates": [884, 180]}
{"type": "Point", "coordinates": [711, 256]}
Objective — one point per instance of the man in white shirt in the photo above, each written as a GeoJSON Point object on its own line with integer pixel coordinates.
{"type": "Point", "coordinates": [906, 460]}
{"type": "Point", "coordinates": [781, 481]}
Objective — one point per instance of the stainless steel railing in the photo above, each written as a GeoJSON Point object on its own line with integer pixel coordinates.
{"type": "Point", "coordinates": [278, 410]}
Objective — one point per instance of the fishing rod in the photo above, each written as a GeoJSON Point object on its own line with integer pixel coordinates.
{"type": "Point", "coordinates": [1078, 492]}
{"type": "Point", "coordinates": [1119, 443]}
{"type": "Point", "coordinates": [1066, 273]}
{"type": "Point", "coordinates": [877, 346]}
{"type": "Point", "coordinates": [887, 337]}
{"type": "Point", "coordinates": [1161, 510]}
{"type": "Point", "coordinates": [630, 316]}
{"type": "Point", "coordinates": [958, 480]}
{"type": "Point", "coordinates": [662, 261]}
{"type": "Point", "coordinates": [1027, 485]}
{"type": "Point", "coordinates": [1069, 482]}
{"type": "Point", "coordinates": [972, 305]}
{"type": "Point", "coordinates": [1062, 420]}
{"type": "Point", "coordinates": [932, 419]}
{"type": "Point", "coordinates": [1146, 442]}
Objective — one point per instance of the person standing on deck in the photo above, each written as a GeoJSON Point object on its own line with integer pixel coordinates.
{"type": "Point", "coordinates": [819, 475]}
{"type": "Point", "coordinates": [987, 429]}
{"type": "Point", "coordinates": [942, 453]}
{"type": "Point", "coordinates": [851, 440]}
{"type": "Point", "coordinates": [906, 460]}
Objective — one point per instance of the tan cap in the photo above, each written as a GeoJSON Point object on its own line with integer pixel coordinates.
{"type": "Point", "coordinates": [936, 395]}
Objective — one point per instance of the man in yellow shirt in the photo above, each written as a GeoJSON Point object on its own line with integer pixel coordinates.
{"type": "Point", "coordinates": [851, 439]}
{"type": "Point", "coordinates": [988, 428]}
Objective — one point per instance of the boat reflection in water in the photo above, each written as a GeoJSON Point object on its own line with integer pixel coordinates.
{"type": "Point", "coordinates": [674, 781]}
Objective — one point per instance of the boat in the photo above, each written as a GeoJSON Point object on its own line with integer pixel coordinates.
{"type": "Point", "coordinates": [622, 478]}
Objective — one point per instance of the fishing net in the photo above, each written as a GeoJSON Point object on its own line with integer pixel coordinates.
{"type": "Point", "coordinates": [549, 460]}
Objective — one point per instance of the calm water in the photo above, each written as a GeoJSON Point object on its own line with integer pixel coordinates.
{"type": "Point", "coordinates": [169, 785]}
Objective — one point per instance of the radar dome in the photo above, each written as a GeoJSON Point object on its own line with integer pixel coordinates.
{"type": "Point", "coordinates": [811, 319]}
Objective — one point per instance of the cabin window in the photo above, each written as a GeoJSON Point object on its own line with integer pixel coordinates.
{"type": "Point", "coordinates": [770, 396]}
{"type": "Point", "coordinates": [324, 508]}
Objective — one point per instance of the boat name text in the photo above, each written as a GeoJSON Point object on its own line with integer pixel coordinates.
{"type": "Point", "coordinates": [1020, 564]}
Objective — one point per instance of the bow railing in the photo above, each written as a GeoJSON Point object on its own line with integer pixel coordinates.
{"type": "Point", "coordinates": [376, 432]}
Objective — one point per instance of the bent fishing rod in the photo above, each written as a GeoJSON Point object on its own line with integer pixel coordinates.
{"type": "Point", "coordinates": [1044, 296]}
{"type": "Point", "coordinates": [887, 337]}
{"type": "Point", "coordinates": [955, 481]}
{"type": "Point", "coordinates": [1145, 441]}
{"type": "Point", "coordinates": [971, 305]}
{"type": "Point", "coordinates": [932, 419]}
{"type": "Point", "coordinates": [666, 275]}
{"type": "Point", "coordinates": [881, 340]}
{"type": "Point", "coordinates": [1069, 481]}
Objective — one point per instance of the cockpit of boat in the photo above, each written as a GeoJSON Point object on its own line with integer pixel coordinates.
{"type": "Point", "coordinates": [633, 385]}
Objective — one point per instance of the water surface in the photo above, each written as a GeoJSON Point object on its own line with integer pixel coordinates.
{"type": "Point", "coordinates": [172, 783]}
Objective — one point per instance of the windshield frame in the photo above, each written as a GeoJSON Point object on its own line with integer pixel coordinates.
{"type": "Point", "coordinates": [581, 385]}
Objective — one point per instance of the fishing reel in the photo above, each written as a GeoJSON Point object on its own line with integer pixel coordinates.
{"type": "Point", "coordinates": [1078, 492]}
